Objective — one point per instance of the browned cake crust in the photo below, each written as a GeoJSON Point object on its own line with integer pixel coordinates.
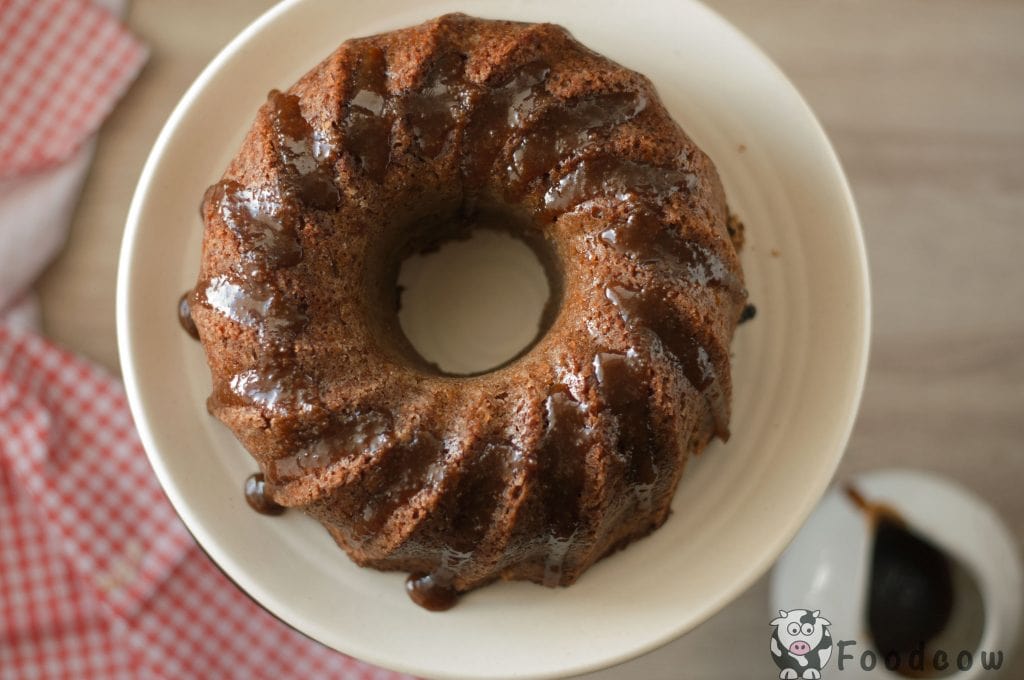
{"type": "Point", "coordinates": [536, 469]}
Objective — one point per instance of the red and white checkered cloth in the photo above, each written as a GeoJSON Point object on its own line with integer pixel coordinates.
{"type": "Point", "coordinates": [63, 66]}
{"type": "Point", "coordinates": [99, 579]}
{"type": "Point", "coordinates": [98, 576]}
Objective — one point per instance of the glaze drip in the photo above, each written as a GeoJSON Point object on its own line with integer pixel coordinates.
{"type": "Point", "coordinates": [647, 239]}
{"type": "Point", "coordinates": [476, 498]}
{"type": "Point", "coordinates": [304, 152]}
{"type": "Point", "coordinates": [431, 592]}
{"type": "Point", "coordinates": [367, 125]}
{"type": "Point", "coordinates": [361, 434]}
{"type": "Point", "coordinates": [258, 496]}
{"type": "Point", "coordinates": [409, 468]}
{"type": "Point", "coordinates": [262, 221]}
{"type": "Point", "coordinates": [619, 178]}
{"type": "Point", "coordinates": [624, 388]}
{"type": "Point", "coordinates": [561, 474]}
{"type": "Point", "coordinates": [271, 386]}
{"type": "Point", "coordinates": [185, 314]}
{"type": "Point", "coordinates": [265, 222]}
{"type": "Point", "coordinates": [252, 302]}
{"type": "Point", "coordinates": [436, 590]}
{"type": "Point", "coordinates": [564, 130]}
{"type": "Point", "coordinates": [432, 110]}
{"type": "Point", "coordinates": [652, 311]}
{"type": "Point", "coordinates": [502, 110]}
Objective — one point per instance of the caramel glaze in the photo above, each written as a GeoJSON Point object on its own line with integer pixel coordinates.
{"type": "Point", "coordinates": [265, 222]}
{"type": "Point", "coordinates": [910, 594]}
{"type": "Point", "coordinates": [541, 467]}
{"type": "Point", "coordinates": [560, 469]}
{"type": "Point", "coordinates": [429, 592]}
{"type": "Point", "coordinates": [185, 314]}
{"type": "Point", "coordinates": [258, 496]}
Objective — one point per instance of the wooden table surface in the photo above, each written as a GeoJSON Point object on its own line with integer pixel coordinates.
{"type": "Point", "coordinates": [924, 100]}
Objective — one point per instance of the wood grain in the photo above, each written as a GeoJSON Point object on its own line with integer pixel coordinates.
{"type": "Point", "coordinates": [925, 104]}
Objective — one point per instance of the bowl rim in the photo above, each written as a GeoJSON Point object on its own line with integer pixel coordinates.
{"type": "Point", "coordinates": [754, 569]}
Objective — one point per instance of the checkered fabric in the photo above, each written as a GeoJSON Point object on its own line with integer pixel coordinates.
{"type": "Point", "coordinates": [98, 576]}
{"type": "Point", "coordinates": [63, 65]}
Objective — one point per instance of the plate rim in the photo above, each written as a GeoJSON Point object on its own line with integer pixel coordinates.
{"type": "Point", "coordinates": [754, 570]}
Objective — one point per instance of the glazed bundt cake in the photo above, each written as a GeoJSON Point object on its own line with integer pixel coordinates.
{"type": "Point", "coordinates": [394, 143]}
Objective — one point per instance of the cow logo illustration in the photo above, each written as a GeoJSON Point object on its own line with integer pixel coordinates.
{"type": "Point", "coordinates": [801, 644]}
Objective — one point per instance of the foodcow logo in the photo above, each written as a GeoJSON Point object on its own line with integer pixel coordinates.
{"type": "Point", "coordinates": [801, 644]}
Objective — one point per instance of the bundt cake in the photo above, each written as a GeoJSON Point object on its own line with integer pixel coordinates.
{"type": "Point", "coordinates": [394, 143]}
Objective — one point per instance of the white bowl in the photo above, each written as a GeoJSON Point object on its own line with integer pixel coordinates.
{"type": "Point", "coordinates": [799, 366]}
{"type": "Point", "coordinates": [828, 566]}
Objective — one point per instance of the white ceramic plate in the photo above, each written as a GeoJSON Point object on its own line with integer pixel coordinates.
{"type": "Point", "coordinates": [799, 366]}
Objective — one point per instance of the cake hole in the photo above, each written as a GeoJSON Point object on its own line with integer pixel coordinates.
{"type": "Point", "coordinates": [473, 304]}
